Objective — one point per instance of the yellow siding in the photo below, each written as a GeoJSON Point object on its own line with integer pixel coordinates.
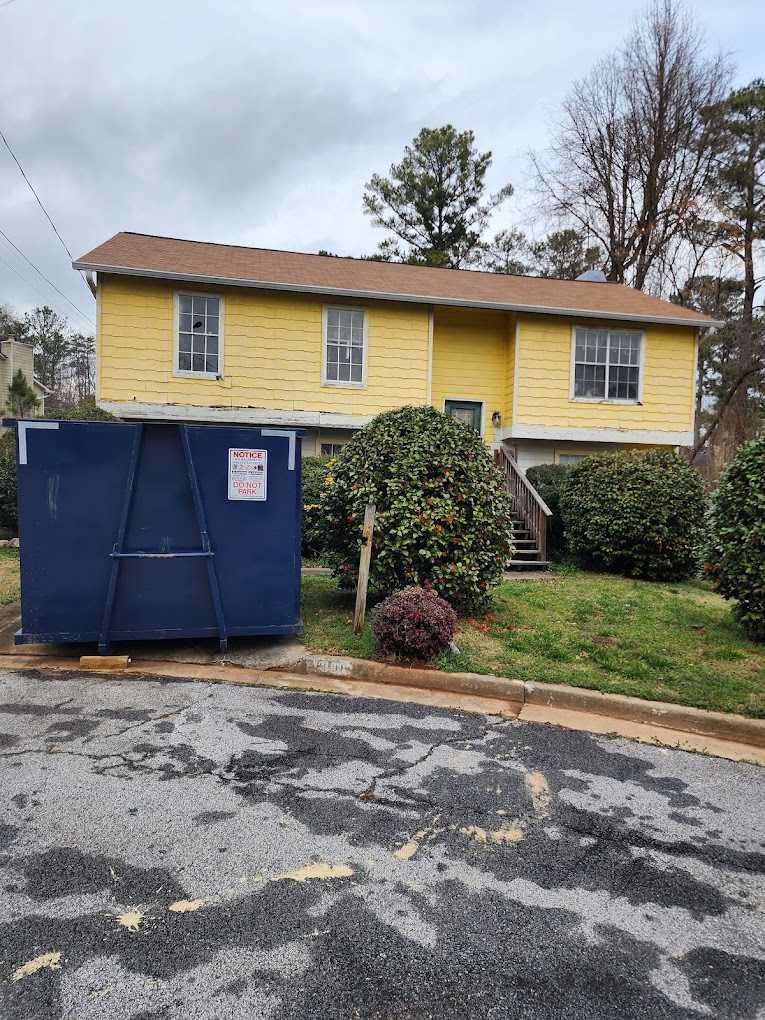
{"type": "Point", "coordinates": [470, 359]}
{"type": "Point", "coordinates": [544, 379]}
{"type": "Point", "coordinates": [272, 351]}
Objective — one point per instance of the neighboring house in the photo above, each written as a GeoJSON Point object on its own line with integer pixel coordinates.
{"type": "Point", "coordinates": [15, 355]}
{"type": "Point", "coordinates": [545, 370]}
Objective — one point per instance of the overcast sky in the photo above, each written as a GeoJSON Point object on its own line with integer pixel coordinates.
{"type": "Point", "coordinates": [258, 123]}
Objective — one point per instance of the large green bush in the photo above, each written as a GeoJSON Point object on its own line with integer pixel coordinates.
{"type": "Point", "coordinates": [548, 480]}
{"type": "Point", "coordinates": [9, 514]}
{"type": "Point", "coordinates": [314, 475]}
{"type": "Point", "coordinates": [442, 507]}
{"type": "Point", "coordinates": [736, 550]}
{"type": "Point", "coordinates": [638, 513]}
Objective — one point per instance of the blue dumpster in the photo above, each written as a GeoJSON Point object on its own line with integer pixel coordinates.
{"type": "Point", "coordinates": [133, 531]}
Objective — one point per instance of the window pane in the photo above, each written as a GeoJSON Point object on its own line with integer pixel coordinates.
{"type": "Point", "coordinates": [211, 363]}
{"type": "Point", "coordinates": [332, 375]}
{"type": "Point", "coordinates": [333, 317]}
{"type": "Point", "coordinates": [589, 381]}
{"type": "Point", "coordinates": [346, 319]}
{"type": "Point", "coordinates": [184, 362]}
{"type": "Point", "coordinates": [184, 322]}
{"type": "Point", "coordinates": [579, 353]}
{"type": "Point", "coordinates": [199, 345]}
{"type": "Point", "coordinates": [356, 356]}
{"type": "Point", "coordinates": [355, 373]}
{"type": "Point", "coordinates": [345, 353]}
{"type": "Point", "coordinates": [184, 343]}
{"type": "Point", "coordinates": [184, 303]}
{"type": "Point", "coordinates": [212, 345]}
{"type": "Point", "coordinates": [332, 354]}
{"type": "Point", "coordinates": [198, 362]}
{"type": "Point", "coordinates": [344, 372]}
{"type": "Point", "coordinates": [212, 323]}
{"type": "Point", "coordinates": [213, 306]}
{"type": "Point", "coordinates": [199, 305]}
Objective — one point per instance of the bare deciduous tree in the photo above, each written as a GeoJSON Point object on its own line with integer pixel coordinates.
{"type": "Point", "coordinates": [632, 150]}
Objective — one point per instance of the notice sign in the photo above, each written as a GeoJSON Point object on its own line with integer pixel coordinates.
{"type": "Point", "coordinates": [247, 474]}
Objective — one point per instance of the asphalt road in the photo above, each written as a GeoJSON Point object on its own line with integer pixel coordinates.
{"type": "Point", "coordinates": [185, 850]}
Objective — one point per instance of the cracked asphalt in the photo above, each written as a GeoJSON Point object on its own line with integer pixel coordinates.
{"type": "Point", "coordinates": [186, 850]}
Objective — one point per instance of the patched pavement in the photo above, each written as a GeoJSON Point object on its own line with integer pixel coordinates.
{"type": "Point", "coordinates": [189, 850]}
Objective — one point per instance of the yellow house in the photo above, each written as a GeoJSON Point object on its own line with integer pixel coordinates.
{"type": "Point", "coordinates": [546, 370]}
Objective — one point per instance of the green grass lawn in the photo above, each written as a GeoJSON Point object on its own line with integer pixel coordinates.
{"type": "Point", "coordinates": [664, 642]}
{"type": "Point", "coordinates": [9, 576]}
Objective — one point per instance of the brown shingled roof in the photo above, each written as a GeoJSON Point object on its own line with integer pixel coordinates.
{"type": "Point", "coordinates": [199, 261]}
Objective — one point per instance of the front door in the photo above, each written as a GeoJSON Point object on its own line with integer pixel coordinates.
{"type": "Point", "coordinates": [468, 411]}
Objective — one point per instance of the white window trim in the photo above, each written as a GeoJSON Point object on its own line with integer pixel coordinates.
{"type": "Point", "coordinates": [468, 400]}
{"type": "Point", "coordinates": [177, 372]}
{"type": "Point", "coordinates": [339, 383]}
{"type": "Point", "coordinates": [607, 399]}
{"type": "Point", "coordinates": [574, 453]}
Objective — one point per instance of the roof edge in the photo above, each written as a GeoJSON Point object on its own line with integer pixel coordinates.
{"type": "Point", "coordinates": [384, 296]}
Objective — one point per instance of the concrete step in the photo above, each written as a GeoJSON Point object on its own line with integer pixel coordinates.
{"type": "Point", "coordinates": [519, 566]}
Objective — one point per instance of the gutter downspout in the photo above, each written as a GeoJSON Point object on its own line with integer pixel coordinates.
{"type": "Point", "coordinates": [90, 280]}
{"type": "Point", "coordinates": [429, 390]}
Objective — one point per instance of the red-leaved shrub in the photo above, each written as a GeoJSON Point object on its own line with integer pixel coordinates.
{"type": "Point", "coordinates": [413, 624]}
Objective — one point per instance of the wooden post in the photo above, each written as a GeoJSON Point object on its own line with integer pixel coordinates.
{"type": "Point", "coordinates": [366, 552]}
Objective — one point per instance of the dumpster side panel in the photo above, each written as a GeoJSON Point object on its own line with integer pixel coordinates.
{"type": "Point", "coordinates": [256, 541]}
{"type": "Point", "coordinates": [70, 492]}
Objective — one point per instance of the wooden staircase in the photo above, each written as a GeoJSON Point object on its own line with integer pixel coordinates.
{"type": "Point", "coordinates": [530, 514]}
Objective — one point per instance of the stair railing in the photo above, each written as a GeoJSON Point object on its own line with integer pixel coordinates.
{"type": "Point", "coordinates": [527, 503]}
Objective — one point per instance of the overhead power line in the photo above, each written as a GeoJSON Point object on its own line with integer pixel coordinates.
{"type": "Point", "coordinates": [39, 202]}
{"type": "Point", "coordinates": [82, 316]}
{"type": "Point", "coordinates": [34, 287]}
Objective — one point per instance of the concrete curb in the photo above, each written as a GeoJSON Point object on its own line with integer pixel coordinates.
{"type": "Point", "coordinates": [720, 725]}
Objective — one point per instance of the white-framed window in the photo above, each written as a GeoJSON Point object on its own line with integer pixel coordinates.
{"type": "Point", "coordinates": [570, 458]}
{"type": "Point", "coordinates": [199, 335]}
{"type": "Point", "coordinates": [345, 346]}
{"type": "Point", "coordinates": [606, 364]}
{"type": "Point", "coordinates": [330, 449]}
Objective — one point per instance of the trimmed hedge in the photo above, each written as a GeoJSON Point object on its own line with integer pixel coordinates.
{"type": "Point", "coordinates": [736, 528]}
{"type": "Point", "coordinates": [638, 513]}
{"type": "Point", "coordinates": [442, 507]}
{"type": "Point", "coordinates": [413, 624]}
{"type": "Point", "coordinates": [548, 480]}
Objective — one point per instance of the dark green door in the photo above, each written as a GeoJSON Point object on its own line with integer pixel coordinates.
{"type": "Point", "coordinates": [468, 411]}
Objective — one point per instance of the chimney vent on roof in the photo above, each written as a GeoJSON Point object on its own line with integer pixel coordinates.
{"type": "Point", "coordinates": [593, 276]}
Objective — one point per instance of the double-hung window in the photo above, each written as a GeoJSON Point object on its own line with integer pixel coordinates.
{"type": "Point", "coordinates": [606, 364]}
{"type": "Point", "coordinates": [344, 346]}
{"type": "Point", "coordinates": [198, 350]}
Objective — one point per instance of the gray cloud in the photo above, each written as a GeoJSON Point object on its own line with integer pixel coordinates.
{"type": "Point", "coordinates": [259, 123]}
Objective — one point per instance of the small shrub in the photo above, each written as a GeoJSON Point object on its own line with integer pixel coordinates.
{"type": "Point", "coordinates": [413, 624]}
{"type": "Point", "coordinates": [548, 480]}
{"type": "Point", "coordinates": [442, 507]}
{"type": "Point", "coordinates": [88, 410]}
{"type": "Point", "coordinates": [639, 513]}
{"type": "Point", "coordinates": [9, 514]}
{"type": "Point", "coordinates": [736, 529]}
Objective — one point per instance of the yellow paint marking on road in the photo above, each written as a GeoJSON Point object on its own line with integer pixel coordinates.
{"type": "Point", "coordinates": [479, 835]}
{"type": "Point", "coordinates": [131, 919]}
{"type": "Point", "coordinates": [47, 960]}
{"type": "Point", "coordinates": [539, 790]}
{"type": "Point", "coordinates": [512, 833]}
{"type": "Point", "coordinates": [186, 906]}
{"type": "Point", "coordinates": [311, 871]}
